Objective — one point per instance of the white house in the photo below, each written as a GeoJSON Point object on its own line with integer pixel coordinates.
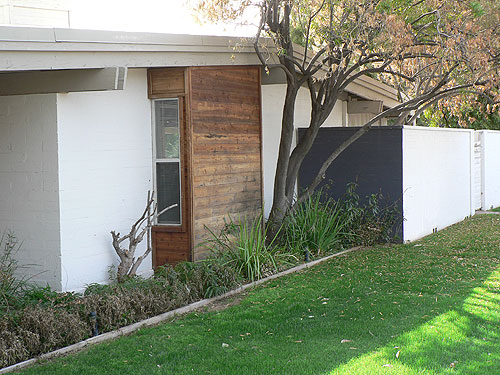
{"type": "Point", "coordinates": [92, 120]}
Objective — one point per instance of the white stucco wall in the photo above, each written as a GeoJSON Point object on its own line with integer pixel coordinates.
{"type": "Point", "coordinates": [490, 165]}
{"type": "Point", "coordinates": [436, 179]}
{"type": "Point", "coordinates": [29, 203]}
{"type": "Point", "coordinates": [105, 171]}
{"type": "Point", "coordinates": [273, 97]}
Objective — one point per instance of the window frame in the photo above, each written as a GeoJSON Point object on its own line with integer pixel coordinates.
{"type": "Point", "coordinates": [181, 226]}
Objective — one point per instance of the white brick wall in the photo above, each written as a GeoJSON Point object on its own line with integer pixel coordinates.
{"type": "Point", "coordinates": [53, 13]}
{"type": "Point", "coordinates": [436, 179]}
{"type": "Point", "coordinates": [29, 203]}
{"type": "Point", "coordinates": [105, 172]}
{"type": "Point", "coordinates": [490, 184]}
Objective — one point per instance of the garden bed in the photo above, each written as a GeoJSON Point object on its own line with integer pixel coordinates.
{"type": "Point", "coordinates": [165, 316]}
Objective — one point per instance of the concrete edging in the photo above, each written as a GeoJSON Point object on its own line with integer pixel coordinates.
{"type": "Point", "coordinates": [162, 317]}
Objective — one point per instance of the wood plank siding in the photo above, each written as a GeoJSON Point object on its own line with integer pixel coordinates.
{"type": "Point", "coordinates": [225, 116]}
{"type": "Point", "coordinates": [222, 162]}
{"type": "Point", "coordinates": [166, 83]}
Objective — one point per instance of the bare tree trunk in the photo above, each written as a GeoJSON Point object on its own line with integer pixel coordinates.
{"type": "Point", "coordinates": [289, 170]}
{"type": "Point", "coordinates": [128, 263]}
{"type": "Point", "coordinates": [281, 201]}
{"type": "Point", "coordinates": [123, 268]}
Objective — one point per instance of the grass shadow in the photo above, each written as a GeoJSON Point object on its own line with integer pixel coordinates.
{"type": "Point", "coordinates": [465, 340]}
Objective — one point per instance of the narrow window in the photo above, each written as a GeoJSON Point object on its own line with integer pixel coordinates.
{"type": "Point", "coordinates": [167, 159]}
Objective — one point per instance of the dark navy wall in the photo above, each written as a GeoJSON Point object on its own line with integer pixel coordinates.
{"type": "Point", "coordinates": [374, 162]}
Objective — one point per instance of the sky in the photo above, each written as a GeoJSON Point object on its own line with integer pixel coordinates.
{"type": "Point", "coordinates": [163, 16]}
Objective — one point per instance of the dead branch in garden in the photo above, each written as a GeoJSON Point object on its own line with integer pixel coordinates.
{"type": "Point", "coordinates": [142, 227]}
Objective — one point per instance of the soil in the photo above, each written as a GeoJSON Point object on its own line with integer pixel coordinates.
{"type": "Point", "coordinates": [224, 303]}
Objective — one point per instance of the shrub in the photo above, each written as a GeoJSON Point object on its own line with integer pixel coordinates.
{"type": "Point", "coordinates": [207, 279]}
{"type": "Point", "coordinates": [46, 320]}
{"type": "Point", "coordinates": [373, 222]}
{"type": "Point", "coordinates": [46, 296]}
{"type": "Point", "coordinates": [121, 304]}
{"type": "Point", "coordinates": [37, 329]}
{"type": "Point", "coordinates": [52, 328]}
{"type": "Point", "coordinates": [118, 305]}
{"type": "Point", "coordinates": [13, 345]}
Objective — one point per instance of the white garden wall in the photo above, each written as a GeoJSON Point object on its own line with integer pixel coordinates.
{"type": "Point", "coordinates": [490, 166]}
{"type": "Point", "coordinates": [29, 204]}
{"type": "Point", "coordinates": [272, 107]}
{"type": "Point", "coordinates": [436, 179]}
{"type": "Point", "coordinates": [105, 167]}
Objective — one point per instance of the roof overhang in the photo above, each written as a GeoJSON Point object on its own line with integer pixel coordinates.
{"type": "Point", "coordinates": [25, 48]}
{"type": "Point", "coordinates": [41, 49]}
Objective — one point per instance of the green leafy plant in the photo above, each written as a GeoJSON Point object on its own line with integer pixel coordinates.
{"type": "Point", "coordinates": [316, 224]}
{"type": "Point", "coordinates": [370, 223]}
{"type": "Point", "coordinates": [244, 245]}
{"type": "Point", "coordinates": [47, 296]}
{"type": "Point", "coordinates": [208, 278]}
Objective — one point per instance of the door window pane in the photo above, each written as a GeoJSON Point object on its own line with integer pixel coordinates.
{"type": "Point", "coordinates": [167, 129]}
{"type": "Point", "coordinates": [168, 192]}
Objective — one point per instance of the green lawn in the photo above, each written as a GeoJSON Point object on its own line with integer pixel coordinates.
{"type": "Point", "coordinates": [431, 307]}
{"type": "Point", "coordinates": [495, 209]}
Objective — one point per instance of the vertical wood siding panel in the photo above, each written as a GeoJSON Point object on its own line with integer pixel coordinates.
{"type": "Point", "coordinates": [226, 125]}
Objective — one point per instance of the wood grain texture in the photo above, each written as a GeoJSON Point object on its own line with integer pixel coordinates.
{"type": "Point", "coordinates": [170, 247]}
{"type": "Point", "coordinates": [166, 82]}
{"type": "Point", "coordinates": [225, 127]}
{"type": "Point", "coordinates": [221, 153]}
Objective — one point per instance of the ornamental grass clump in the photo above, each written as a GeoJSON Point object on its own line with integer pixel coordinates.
{"type": "Point", "coordinates": [316, 225]}
{"type": "Point", "coordinates": [12, 284]}
{"type": "Point", "coordinates": [244, 246]}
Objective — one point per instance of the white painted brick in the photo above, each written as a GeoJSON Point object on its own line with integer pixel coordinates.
{"type": "Point", "coordinates": [490, 143]}
{"type": "Point", "coordinates": [6, 206]}
{"type": "Point", "coordinates": [436, 179]}
{"type": "Point", "coordinates": [105, 167]}
{"type": "Point", "coordinates": [25, 122]}
{"type": "Point", "coordinates": [66, 204]}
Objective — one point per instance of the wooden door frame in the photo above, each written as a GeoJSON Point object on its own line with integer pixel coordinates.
{"type": "Point", "coordinates": [185, 163]}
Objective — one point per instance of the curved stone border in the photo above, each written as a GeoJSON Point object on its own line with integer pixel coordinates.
{"type": "Point", "coordinates": [162, 317]}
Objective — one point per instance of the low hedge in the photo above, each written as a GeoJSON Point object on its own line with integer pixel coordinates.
{"type": "Point", "coordinates": [48, 320]}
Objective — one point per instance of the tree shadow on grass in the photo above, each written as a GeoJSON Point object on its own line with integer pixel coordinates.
{"type": "Point", "coordinates": [465, 340]}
